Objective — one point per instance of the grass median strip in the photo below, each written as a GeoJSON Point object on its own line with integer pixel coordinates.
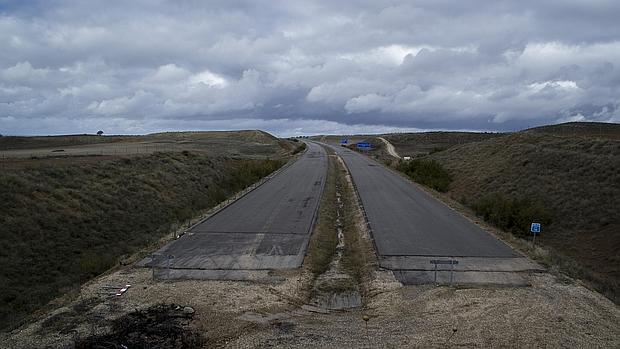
{"type": "Point", "coordinates": [324, 239]}
{"type": "Point", "coordinates": [338, 255]}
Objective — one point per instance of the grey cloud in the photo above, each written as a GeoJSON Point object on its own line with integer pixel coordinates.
{"type": "Point", "coordinates": [146, 65]}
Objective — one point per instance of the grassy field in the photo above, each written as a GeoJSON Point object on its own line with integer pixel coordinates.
{"type": "Point", "coordinates": [566, 176]}
{"type": "Point", "coordinates": [255, 144]}
{"type": "Point", "coordinates": [419, 144]}
{"type": "Point", "coordinates": [66, 220]}
{"type": "Point", "coordinates": [23, 142]}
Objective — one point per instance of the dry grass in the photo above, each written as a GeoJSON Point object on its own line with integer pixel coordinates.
{"type": "Point", "coordinates": [248, 144]}
{"type": "Point", "coordinates": [63, 223]}
{"type": "Point", "coordinates": [359, 257]}
{"type": "Point", "coordinates": [324, 239]}
{"type": "Point", "coordinates": [575, 179]}
{"type": "Point", "coordinates": [419, 144]}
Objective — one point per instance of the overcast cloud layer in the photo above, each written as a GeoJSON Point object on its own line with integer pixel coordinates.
{"type": "Point", "coordinates": [294, 67]}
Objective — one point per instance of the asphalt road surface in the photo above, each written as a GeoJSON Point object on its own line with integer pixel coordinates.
{"type": "Point", "coordinates": [410, 227]}
{"type": "Point", "coordinates": [269, 228]}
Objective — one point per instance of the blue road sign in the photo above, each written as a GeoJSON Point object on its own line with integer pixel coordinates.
{"type": "Point", "coordinates": [344, 141]}
{"type": "Point", "coordinates": [363, 145]}
{"type": "Point", "coordinates": [535, 228]}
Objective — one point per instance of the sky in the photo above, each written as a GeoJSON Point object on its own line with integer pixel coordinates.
{"type": "Point", "coordinates": [306, 67]}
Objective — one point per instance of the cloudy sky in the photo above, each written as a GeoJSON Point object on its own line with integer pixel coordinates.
{"type": "Point", "coordinates": [306, 67]}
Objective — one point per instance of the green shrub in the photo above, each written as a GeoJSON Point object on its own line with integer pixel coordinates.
{"type": "Point", "coordinates": [511, 214]}
{"type": "Point", "coordinates": [300, 148]}
{"type": "Point", "coordinates": [426, 172]}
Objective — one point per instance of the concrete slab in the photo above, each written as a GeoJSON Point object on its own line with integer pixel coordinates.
{"type": "Point", "coordinates": [228, 275]}
{"type": "Point", "coordinates": [465, 263]}
{"type": "Point", "coordinates": [507, 279]}
{"type": "Point", "coordinates": [233, 251]}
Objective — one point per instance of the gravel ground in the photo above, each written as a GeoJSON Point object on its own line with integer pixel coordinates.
{"type": "Point", "coordinates": [550, 314]}
{"type": "Point", "coordinates": [553, 313]}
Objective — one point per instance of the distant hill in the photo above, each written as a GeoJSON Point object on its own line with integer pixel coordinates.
{"type": "Point", "coordinates": [247, 144]}
{"type": "Point", "coordinates": [583, 129]}
{"type": "Point", "coordinates": [24, 142]}
{"type": "Point", "coordinates": [572, 169]}
{"type": "Point", "coordinates": [415, 144]}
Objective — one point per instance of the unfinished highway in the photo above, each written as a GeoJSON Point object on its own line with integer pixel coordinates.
{"type": "Point", "coordinates": [410, 228]}
{"type": "Point", "coordinates": [268, 228]}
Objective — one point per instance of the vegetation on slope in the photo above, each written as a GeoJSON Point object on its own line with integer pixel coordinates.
{"type": "Point", "coordinates": [323, 241]}
{"type": "Point", "coordinates": [511, 214]}
{"type": "Point", "coordinates": [23, 142]}
{"type": "Point", "coordinates": [567, 180]}
{"type": "Point", "coordinates": [427, 172]}
{"type": "Point", "coordinates": [64, 224]}
{"type": "Point", "coordinates": [423, 143]}
{"type": "Point", "coordinates": [226, 143]}
{"type": "Point", "coordinates": [301, 147]}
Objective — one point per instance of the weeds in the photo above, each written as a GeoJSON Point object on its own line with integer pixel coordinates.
{"type": "Point", "coordinates": [324, 240]}
{"type": "Point", "coordinates": [358, 252]}
{"type": "Point", "coordinates": [64, 225]}
{"type": "Point", "coordinates": [299, 148]}
{"type": "Point", "coordinates": [511, 214]}
{"type": "Point", "coordinates": [426, 172]}
{"type": "Point", "coordinates": [571, 182]}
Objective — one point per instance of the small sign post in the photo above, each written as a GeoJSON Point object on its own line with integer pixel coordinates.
{"type": "Point", "coordinates": [344, 142]}
{"type": "Point", "coordinates": [535, 229]}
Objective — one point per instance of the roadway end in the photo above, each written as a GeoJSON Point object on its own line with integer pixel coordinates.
{"type": "Point", "coordinates": [479, 264]}
{"type": "Point", "coordinates": [244, 248]}
{"type": "Point", "coordinates": [473, 270]}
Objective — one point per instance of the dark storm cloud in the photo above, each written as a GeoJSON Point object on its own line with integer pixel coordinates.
{"type": "Point", "coordinates": [304, 67]}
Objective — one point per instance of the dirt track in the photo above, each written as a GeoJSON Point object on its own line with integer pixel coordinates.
{"type": "Point", "coordinates": [389, 147]}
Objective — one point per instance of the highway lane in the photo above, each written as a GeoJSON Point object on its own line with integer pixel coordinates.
{"type": "Point", "coordinates": [410, 227]}
{"type": "Point", "coordinates": [269, 228]}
